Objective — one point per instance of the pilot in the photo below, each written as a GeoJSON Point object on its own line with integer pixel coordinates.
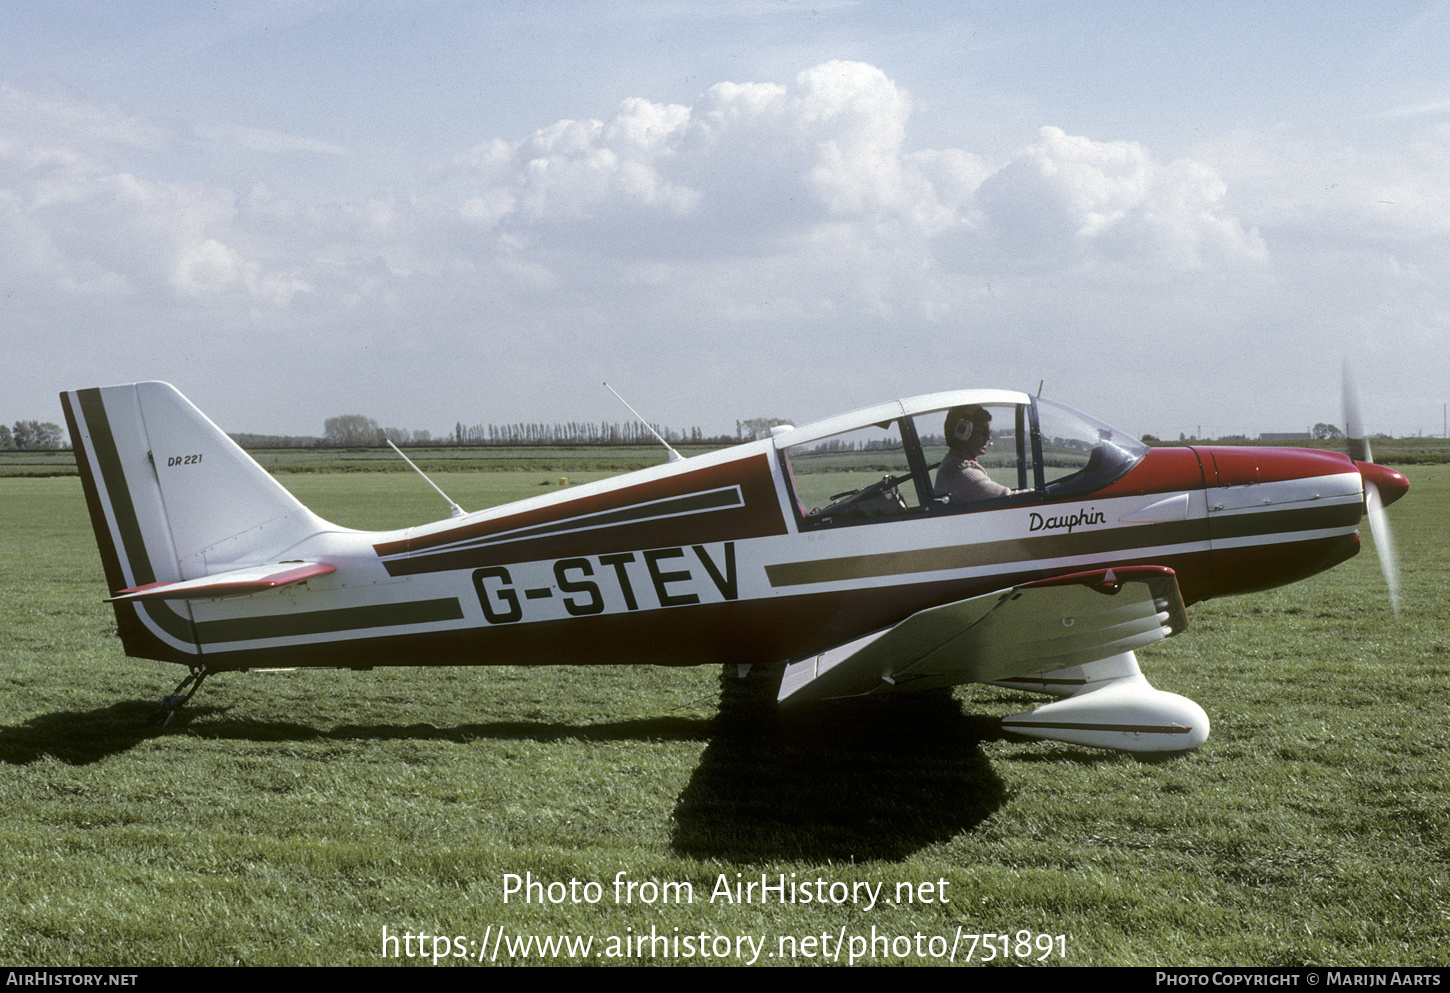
{"type": "Point", "coordinates": [960, 478]}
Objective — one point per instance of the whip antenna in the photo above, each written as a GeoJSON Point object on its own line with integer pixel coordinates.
{"type": "Point", "coordinates": [457, 511]}
{"type": "Point", "coordinates": [674, 455]}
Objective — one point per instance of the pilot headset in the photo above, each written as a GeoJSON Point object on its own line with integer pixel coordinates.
{"type": "Point", "coordinates": [964, 427]}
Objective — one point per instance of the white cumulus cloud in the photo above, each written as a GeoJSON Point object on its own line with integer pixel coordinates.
{"type": "Point", "coordinates": [1069, 197]}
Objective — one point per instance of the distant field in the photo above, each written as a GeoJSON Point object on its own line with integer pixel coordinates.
{"type": "Point", "coordinates": [290, 818]}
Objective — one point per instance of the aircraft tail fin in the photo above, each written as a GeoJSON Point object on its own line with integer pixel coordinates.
{"type": "Point", "coordinates": [172, 498]}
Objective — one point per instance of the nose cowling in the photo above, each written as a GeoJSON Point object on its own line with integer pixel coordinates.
{"type": "Point", "coordinates": [1391, 484]}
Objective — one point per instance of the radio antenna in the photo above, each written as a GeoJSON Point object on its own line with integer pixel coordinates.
{"type": "Point", "coordinates": [457, 511]}
{"type": "Point", "coordinates": [674, 455]}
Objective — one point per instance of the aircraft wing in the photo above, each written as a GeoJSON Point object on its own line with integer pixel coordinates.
{"type": "Point", "coordinates": [1041, 626]}
{"type": "Point", "coordinates": [237, 582]}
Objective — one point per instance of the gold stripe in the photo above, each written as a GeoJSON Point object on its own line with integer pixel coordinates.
{"type": "Point", "coordinates": [851, 567]}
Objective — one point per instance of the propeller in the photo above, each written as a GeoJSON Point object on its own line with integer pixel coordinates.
{"type": "Point", "coordinates": [1376, 479]}
{"type": "Point", "coordinates": [1353, 423]}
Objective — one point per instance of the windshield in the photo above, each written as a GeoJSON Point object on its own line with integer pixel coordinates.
{"type": "Point", "coordinates": [1080, 452]}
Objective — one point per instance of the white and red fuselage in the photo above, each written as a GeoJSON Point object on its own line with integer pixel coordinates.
{"type": "Point", "coordinates": [718, 558]}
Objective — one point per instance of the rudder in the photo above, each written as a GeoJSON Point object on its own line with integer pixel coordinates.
{"type": "Point", "coordinates": [171, 497]}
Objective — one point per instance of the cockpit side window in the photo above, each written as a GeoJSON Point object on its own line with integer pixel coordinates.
{"type": "Point", "coordinates": [988, 466]}
{"type": "Point", "coordinates": [856, 477]}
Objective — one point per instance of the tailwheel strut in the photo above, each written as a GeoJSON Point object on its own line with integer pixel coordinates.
{"type": "Point", "coordinates": [176, 699]}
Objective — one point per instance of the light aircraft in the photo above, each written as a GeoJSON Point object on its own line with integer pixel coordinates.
{"type": "Point", "coordinates": [828, 547]}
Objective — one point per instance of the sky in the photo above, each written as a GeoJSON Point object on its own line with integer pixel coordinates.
{"type": "Point", "coordinates": [1180, 218]}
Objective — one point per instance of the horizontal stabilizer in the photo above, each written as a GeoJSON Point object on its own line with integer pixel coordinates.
{"type": "Point", "coordinates": [238, 582]}
{"type": "Point", "coordinates": [1036, 627]}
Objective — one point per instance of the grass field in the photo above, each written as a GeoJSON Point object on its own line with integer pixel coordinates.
{"type": "Point", "coordinates": [290, 818]}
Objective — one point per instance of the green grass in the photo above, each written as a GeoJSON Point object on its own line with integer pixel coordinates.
{"type": "Point", "coordinates": [289, 817]}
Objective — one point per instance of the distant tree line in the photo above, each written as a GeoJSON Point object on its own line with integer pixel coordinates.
{"type": "Point", "coordinates": [359, 431]}
{"type": "Point", "coordinates": [834, 445]}
{"type": "Point", "coordinates": [582, 433]}
{"type": "Point", "coordinates": [249, 440]}
{"type": "Point", "coordinates": [31, 436]}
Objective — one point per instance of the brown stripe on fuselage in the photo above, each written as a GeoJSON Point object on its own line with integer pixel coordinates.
{"type": "Point", "coordinates": [308, 622]}
{"type": "Point", "coordinates": [1261, 522]}
{"type": "Point", "coordinates": [759, 516]}
{"type": "Point", "coordinates": [1113, 539]}
{"type": "Point", "coordinates": [965, 556]}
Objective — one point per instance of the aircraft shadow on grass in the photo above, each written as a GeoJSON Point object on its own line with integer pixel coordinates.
{"type": "Point", "coordinates": [84, 737]}
{"type": "Point", "coordinates": [875, 778]}
{"type": "Point", "coordinates": [78, 737]}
